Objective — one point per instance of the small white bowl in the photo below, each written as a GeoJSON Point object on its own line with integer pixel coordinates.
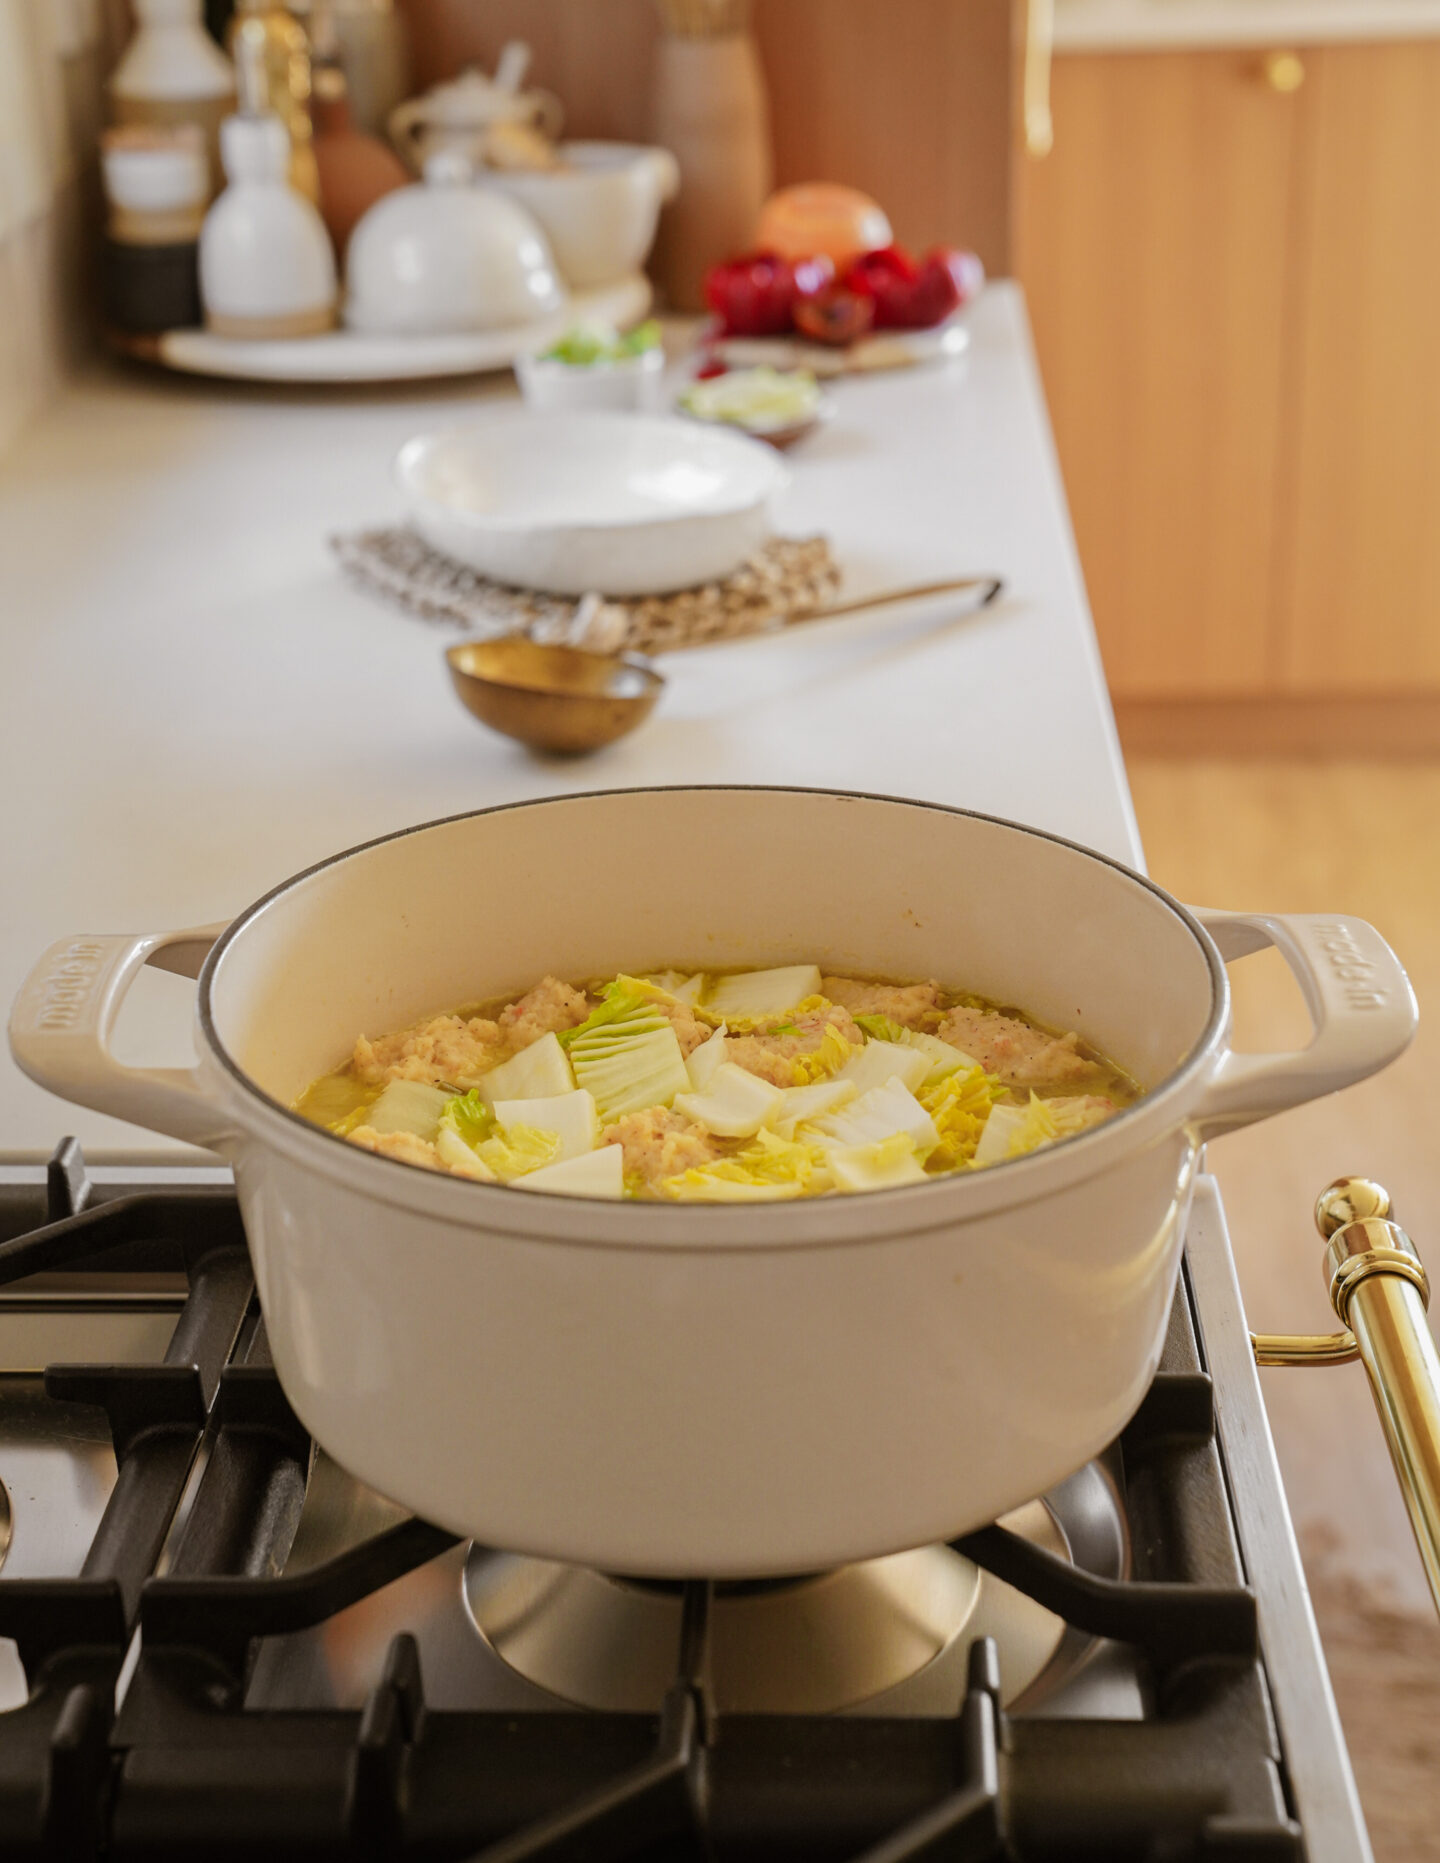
{"type": "Point", "coordinates": [631, 383]}
{"type": "Point", "coordinates": [624, 504]}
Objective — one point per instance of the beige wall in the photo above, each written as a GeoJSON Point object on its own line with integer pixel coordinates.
{"type": "Point", "coordinates": [51, 55]}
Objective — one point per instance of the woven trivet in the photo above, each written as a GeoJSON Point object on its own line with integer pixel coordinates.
{"type": "Point", "coordinates": [786, 580]}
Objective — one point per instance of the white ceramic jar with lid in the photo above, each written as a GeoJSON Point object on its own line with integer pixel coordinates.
{"type": "Point", "coordinates": [448, 256]}
{"type": "Point", "coordinates": [173, 72]}
{"type": "Point", "coordinates": [267, 268]}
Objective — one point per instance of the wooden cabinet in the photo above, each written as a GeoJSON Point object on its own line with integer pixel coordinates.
{"type": "Point", "coordinates": [1234, 290]}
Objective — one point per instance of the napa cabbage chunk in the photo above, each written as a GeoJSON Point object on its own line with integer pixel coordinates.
{"type": "Point", "coordinates": [770, 1169]}
{"type": "Point", "coordinates": [734, 1105]}
{"type": "Point", "coordinates": [702, 1063]}
{"type": "Point", "coordinates": [960, 1103]}
{"type": "Point", "coordinates": [1012, 1131]}
{"type": "Point", "coordinates": [535, 1073]}
{"type": "Point", "coordinates": [750, 994]}
{"type": "Point", "coordinates": [516, 1150]}
{"type": "Point", "coordinates": [879, 1061]}
{"type": "Point", "coordinates": [881, 1028]}
{"type": "Point", "coordinates": [570, 1116]}
{"type": "Point", "coordinates": [599, 1173]}
{"type": "Point", "coordinates": [877, 1166]}
{"type": "Point", "coordinates": [828, 1059]}
{"type": "Point", "coordinates": [677, 986]}
{"type": "Point", "coordinates": [628, 1001]}
{"type": "Point", "coordinates": [468, 1117]}
{"type": "Point", "coordinates": [879, 1114]}
{"type": "Point", "coordinates": [457, 1156]}
{"type": "Point", "coordinates": [945, 1057]}
{"type": "Point", "coordinates": [631, 1059]}
{"type": "Point", "coordinates": [408, 1106]}
{"type": "Point", "coordinates": [799, 1104]}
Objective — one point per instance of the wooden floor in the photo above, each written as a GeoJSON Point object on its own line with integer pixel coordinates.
{"type": "Point", "coordinates": [1363, 839]}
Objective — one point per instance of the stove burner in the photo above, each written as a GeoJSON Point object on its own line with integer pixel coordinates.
{"type": "Point", "coordinates": [813, 1645]}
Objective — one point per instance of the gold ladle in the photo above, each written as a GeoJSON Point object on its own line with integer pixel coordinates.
{"type": "Point", "coordinates": [570, 700]}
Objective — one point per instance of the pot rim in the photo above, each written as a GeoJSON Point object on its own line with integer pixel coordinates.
{"type": "Point", "coordinates": [637, 1224]}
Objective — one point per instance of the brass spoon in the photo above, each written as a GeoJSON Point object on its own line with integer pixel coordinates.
{"type": "Point", "coordinates": [570, 701]}
{"type": "Point", "coordinates": [558, 699]}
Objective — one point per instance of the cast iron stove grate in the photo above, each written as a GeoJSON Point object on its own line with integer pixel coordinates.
{"type": "Point", "coordinates": [182, 1767]}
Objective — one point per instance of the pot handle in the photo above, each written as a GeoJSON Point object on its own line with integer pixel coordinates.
{"type": "Point", "coordinates": [1358, 996]}
{"type": "Point", "coordinates": [61, 1022]}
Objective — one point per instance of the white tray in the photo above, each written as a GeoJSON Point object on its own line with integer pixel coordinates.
{"type": "Point", "coordinates": [883, 349]}
{"type": "Point", "coordinates": [347, 356]}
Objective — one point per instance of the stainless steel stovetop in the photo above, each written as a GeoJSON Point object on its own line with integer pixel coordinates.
{"type": "Point", "coordinates": [315, 1672]}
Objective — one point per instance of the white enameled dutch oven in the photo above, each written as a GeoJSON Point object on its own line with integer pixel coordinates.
{"type": "Point", "coordinates": [693, 1389]}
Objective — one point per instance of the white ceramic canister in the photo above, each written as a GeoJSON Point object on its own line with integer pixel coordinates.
{"type": "Point", "coordinates": [267, 268]}
{"type": "Point", "coordinates": [172, 72]}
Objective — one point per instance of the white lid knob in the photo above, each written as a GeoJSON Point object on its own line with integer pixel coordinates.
{"type": "Point", "coordinates": [448, 168]}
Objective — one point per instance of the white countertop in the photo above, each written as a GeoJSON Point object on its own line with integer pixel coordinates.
{"type": "Point", "coordinates": [1138, 25]}
{"type": "Point", "coordinates": [196, 705]}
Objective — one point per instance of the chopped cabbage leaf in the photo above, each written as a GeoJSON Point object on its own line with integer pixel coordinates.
{"type": "Point", "coordinates": [677, 986]}
{"type": "Point", "coordinates": [628, 1002]}
{"type": "Point", "coordinates": [706, 1186]}
{"type": "Point", "coordinates": [832, 1054]}
{"type": "Point", "coordinates": [879, 1114]}
{"type": "Point", "coordinates": [959, 1103]}
{"type": "Point", "coordinates": [517, 1150]}
{"type": "Point", "coordinates": [570, 1116]}
{"type": "Point", "coordinates": [878, 1166]}
{"type": "Point", "coordinates": [770, 1168]}
{"type": "Point", "coordinates": [755, 993]}
{"type": "Point", "coordinates": [881, 1028]}
{"type": "Point", "coordinates": [879, 1061]}
{"type": "Point", "coordinates": [702, 1063]}
{"type": "Point", "coordinates": [944, 1056]}
{"type": "Point", "coordinates": [468, 1117]}
{"type": "Point", "coordinates": [598, 1173]}
{"type": "Point", "coordinates": [629, 1069]}
{"type": "Point", "coordinates": [1011, 1131]}
{"type": "Point", "coordinates": [797, 1104]}
{"type": "Point", "coordinates": [533, 1074]}
{"type": "Point", "coordinates": [458, 1157]}
{"type": "Point", "coordinates": [408, 1106]}
{"type": "Point", "coordinates": [735, 1105]}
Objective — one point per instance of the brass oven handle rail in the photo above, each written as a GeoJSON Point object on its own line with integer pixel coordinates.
{"type": "Point", "coordinates": [1380, 1291]}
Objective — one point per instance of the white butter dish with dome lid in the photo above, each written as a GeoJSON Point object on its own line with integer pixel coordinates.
{"type": "Point", "coordinates": [445, 256]}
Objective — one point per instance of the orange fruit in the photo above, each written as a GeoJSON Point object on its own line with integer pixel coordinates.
{"type": "Point", "coordinates": [821, 217]}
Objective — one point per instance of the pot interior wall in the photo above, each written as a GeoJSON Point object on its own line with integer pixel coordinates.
{"type": "Point", "coordinates": [585, 886]}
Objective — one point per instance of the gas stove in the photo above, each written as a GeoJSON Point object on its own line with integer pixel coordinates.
{"type": "Point", "coordinates": [221, 1645]}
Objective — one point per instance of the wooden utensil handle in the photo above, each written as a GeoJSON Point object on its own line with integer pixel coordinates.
{"type": "Point", "coordinates": [911, 592]}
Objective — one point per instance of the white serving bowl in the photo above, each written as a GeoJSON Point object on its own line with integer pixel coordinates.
{"type": "Point", "coordinates": [630, 383]}
{"type": "Point", "coordinates": [599, 211]}
{"type": "Point", "coordinates": [625, 504]}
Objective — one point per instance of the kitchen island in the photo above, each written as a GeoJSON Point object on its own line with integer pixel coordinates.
{"type": "Point", "coordinates": [197, 706]}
